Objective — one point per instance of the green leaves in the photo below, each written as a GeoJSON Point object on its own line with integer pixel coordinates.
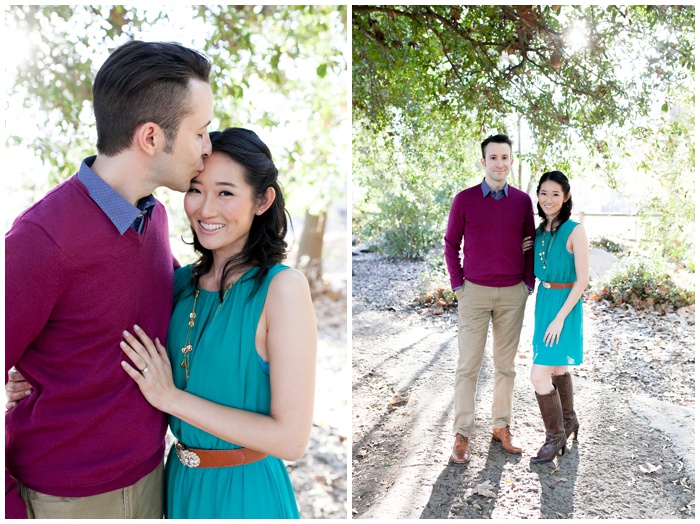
{"type": "Point", "coordinates": [483, 62]}
{"type": "Point", "coordinates": [405, 183]}
{"type": "Point", "coordinates": [579, 77]}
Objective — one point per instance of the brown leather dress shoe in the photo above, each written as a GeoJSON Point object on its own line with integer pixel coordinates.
{"type": "Point", "coordinates": [460, 449]}
{"type": "Point", "coordinates": [509, 441]}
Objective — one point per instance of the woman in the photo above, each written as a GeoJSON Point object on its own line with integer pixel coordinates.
{"type": "Point", "coordinates": [561, 265]}
{"type": "Point", "coordinates": [239, 369]}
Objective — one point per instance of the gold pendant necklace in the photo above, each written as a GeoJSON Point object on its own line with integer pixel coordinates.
{"type": "Point", "coordinates": [187, 348]}
{"type": "Point", "coordinates": [544, 254]}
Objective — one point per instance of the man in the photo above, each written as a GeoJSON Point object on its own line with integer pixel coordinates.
{"type": "Point", "coordinates": [492, 283]}
{"type": "Point", "coordinates": [85, 263]}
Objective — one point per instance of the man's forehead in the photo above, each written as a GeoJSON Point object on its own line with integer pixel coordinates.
{"type": "Point", "coordinates": [497, 148]}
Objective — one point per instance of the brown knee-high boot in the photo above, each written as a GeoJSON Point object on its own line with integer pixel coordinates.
{"type": "Point", "coordinates": [566, 394]}
{"type": "Point", "coordinates": [555, 442]}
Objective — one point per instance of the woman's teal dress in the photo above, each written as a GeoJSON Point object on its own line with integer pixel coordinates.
{"type": "Point", "coordinates": [560, 268]}
{"type": "Point", "coordinates": [226, 369]}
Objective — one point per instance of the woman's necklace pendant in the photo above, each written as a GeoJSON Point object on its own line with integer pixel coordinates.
{"type": "Point", "coordinates": [544, 254]}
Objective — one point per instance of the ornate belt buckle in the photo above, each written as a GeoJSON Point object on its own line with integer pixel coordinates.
{"type": "Point", "coordinates": [187, 457]}
{"type": "Point", "coordinates": [547, 285]}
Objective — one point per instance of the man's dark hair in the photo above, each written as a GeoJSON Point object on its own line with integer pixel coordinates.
{"type": "Point", "coordinates": [498, 139]}
{"type": "Point", "coordinates": [144, 82]}
{"type": "Point", "coordinates": [266, 245]}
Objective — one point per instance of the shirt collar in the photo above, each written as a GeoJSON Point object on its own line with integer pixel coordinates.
{"type": "Point", "coordinates": [485, 189]}
{"type": "Point", "coordinates": [121, 212]}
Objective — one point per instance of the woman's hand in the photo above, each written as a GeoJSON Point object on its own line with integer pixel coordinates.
{"type": "Point", "coordinates": [527, 244]}
{"type": "Point", "coordinates": [153, 375]}
{"type": "Point", "coordinates": [551, 336]}
{"type": "Point", "coordinates": [16, 388]}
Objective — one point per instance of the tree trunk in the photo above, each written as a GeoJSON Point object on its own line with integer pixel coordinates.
{"type": "Point", "coordinates": [309, 258]}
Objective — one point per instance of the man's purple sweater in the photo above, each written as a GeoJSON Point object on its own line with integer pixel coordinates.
{"type": "Point", "coordinates": [73, 285]}
{"type": "Point", "coordinates": [492, 231]}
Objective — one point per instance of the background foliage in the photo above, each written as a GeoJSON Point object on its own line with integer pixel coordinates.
{"type": "Point", "coordinates": [645, 282]}
{"type": "Point", "coordinates": [584, 89]}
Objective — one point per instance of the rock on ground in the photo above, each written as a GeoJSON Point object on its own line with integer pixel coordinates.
{"type": "Point", "coordinates": [600, 262]}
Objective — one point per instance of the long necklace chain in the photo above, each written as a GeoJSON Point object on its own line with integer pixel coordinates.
{"type": "Point", "coordinates": [187, 348]}
{"type": "Point", "coordinates": [544, 254]}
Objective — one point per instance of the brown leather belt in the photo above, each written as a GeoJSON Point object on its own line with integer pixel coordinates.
{"type": "Point", "coordinates": [558, 285]}
{"type": "Point", "coordinates": [216, 458]}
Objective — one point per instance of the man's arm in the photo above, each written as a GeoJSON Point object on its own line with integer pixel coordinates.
{"type": "Point", "coordinates": [453, 242]}
{"type": "Point", "coordinates": [33, 274]}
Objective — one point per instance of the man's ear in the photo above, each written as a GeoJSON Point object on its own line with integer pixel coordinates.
{"type": "Point", "coordinates": [149, 138]}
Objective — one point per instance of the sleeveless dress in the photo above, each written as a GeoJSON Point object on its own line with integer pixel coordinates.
{"type": "Point", "coordinates": [560, 268]}
{"type": "Point", "coordinates": [225, 368]}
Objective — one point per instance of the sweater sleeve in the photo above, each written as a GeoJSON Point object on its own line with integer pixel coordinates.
{"type": "Point", "coordinates": [31, 286]}
{"type": "Point", "coordinates": [453, 241]}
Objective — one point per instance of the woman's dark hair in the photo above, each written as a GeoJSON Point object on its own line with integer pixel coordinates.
{"type": "Point", "coordinates": [144, 82]}
{"type": "Point", "coordinates": [565, 211]}
{"type": "Point", "coordinates": [265, 245]}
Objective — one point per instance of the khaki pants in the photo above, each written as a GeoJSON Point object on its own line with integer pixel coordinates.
{"type": "Point", "coordinates": [143, 500]}
{"type": "Point", "coordinates": [478, 305]}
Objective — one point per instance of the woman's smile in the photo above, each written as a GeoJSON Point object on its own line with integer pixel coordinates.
{"type": "Point", "coordinates": [209, 227]}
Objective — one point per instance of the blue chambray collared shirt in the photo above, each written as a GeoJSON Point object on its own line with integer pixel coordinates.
{"type": "Point", "coordinates": [495, 194]}
{"type": "Point", "coordinates": [122, 214]}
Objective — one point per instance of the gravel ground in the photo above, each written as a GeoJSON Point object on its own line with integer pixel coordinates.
{"type": "Point", "coordinates": [637, 350]}
{"type": "Point", "coordinates": [634, 396]}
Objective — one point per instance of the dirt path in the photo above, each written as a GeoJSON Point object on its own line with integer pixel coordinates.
{"type": "Point", "coordinates": [400, 455]}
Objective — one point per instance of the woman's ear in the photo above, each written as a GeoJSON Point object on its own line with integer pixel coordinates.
{"type": "Point", "coordinates": [266, 200]}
